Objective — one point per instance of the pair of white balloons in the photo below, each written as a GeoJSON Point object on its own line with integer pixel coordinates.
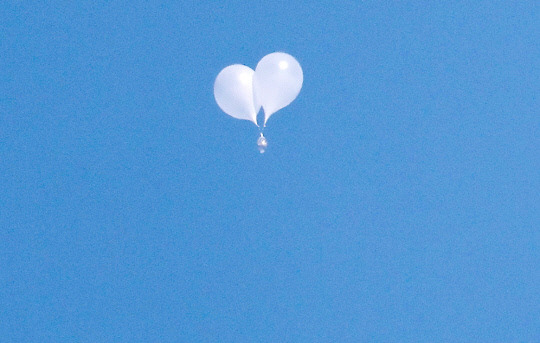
{"type": "Point", "coordinates": [241, 92]}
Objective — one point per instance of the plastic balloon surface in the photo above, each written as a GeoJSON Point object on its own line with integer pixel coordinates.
{"type": "Point", "coordinates": [277, 82]}
{"type": "Point", "coordinates": [233, 90]}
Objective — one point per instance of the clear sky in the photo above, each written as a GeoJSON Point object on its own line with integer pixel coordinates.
{"type": "Point", "coordinates": [398, 200]}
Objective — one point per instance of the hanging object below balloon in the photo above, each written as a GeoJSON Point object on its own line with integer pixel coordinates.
{"type": "Point", "coordinates": [262, 143]}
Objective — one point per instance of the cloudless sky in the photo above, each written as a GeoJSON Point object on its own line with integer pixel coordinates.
{"type": "Point", "coordinates": [398, 201]}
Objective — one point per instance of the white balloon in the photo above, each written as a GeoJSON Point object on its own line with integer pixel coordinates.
{"type": "Point", "coordinates": [233, 91]}
{"type": "Point", "coordinates": [277, 82]}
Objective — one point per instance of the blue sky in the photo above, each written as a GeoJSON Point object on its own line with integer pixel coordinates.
{"type": "Point", "coordinates": [398, 201]}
